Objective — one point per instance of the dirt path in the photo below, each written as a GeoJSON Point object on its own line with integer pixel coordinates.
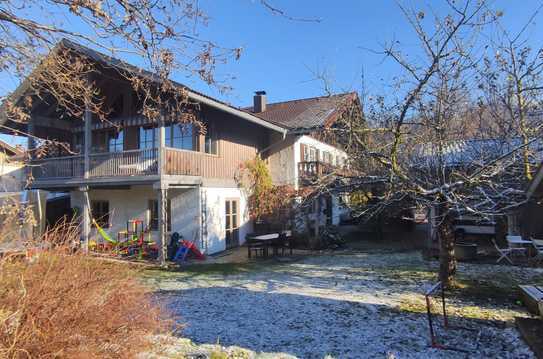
{"type": "Point", "coordinates": [347, 306]}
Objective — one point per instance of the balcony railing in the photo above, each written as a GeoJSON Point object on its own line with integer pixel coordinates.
{"type": "Point", "coordinates": [58, 167]}
{"type": "Point", "coordinates": [135, 163]}
{"type": "Point", "coordinates": [312, 169]}
{"type": "Point", "coordinates": [127, 163]}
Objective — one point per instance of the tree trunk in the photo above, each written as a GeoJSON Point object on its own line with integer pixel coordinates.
{"type": "Point", "coordinates": [447, 259]}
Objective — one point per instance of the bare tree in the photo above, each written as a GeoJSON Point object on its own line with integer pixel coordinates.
{"type": "Point", "coordinates": [412, 149]}
{"type": "Point", "coordinates": [163, 35]}
{"type": "Point", "coordinates": [511, 79]}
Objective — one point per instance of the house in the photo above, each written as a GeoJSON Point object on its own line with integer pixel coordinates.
{"type": "Point", "coordinates": [11, 167]}
{"type": "Point", "coordinates": [305, 154]}
{"type": "Point", "coordinates": [170, 175]}
{"type": "Point", "coordinates": [526, 220]}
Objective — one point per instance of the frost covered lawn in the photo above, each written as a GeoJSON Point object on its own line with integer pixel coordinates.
{"type": "Point", "coordinates": [347, 305]}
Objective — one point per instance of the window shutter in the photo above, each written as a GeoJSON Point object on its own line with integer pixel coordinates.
{"type": "Point", "coordinates": [302, 152]}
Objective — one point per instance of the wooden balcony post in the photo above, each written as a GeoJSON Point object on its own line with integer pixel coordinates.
{"type": "Point", "coordinates": [161, 144]}
{"type": "Point", "coordinates": [31, 147]}
{"type": "Point", "coordinates": [162, 224]}
{"type": "Point", "coordinates": [86, 215]}
{"type": "Point", "coordinates": [162, 193]}
{"type": "Point", "coordinates": [87, 119]}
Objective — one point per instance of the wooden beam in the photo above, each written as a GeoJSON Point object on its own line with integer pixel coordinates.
{"type": "Point", "coordinates": [85, 219]}
{"type": "Point", "coordinates": [87, 139]}
{"type": "Point", "coordinates": [162, 223]}
{"type": "Point", "coordinates": [44, 121]}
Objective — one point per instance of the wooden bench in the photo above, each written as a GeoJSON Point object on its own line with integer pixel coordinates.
{"type": "Point", "coordinates": [532, 297]}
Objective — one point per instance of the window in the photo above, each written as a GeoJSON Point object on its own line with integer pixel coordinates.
{"type": "Point", "coordinates": [153, 215]}
{"type": "Point", "coordinates": [326, 157]}
{"type": "Point", "coordinates": [78, 143]}
{"type": "Point", "coordinates": [100, 212]}
{"type": "Point", "coordinates": [210, 142]}
{"type": "Point", "coordinates": [115, 141]}
{"type": "Point", "coordinates": [310, 154]}
{"type": "Point", "coordinates": [99, 141]}
{"type": "Point", "coordinates": [148, 137]}
{"type": "Point", "coordinates": [180, 136]}
{"type": "Point", "coordinates": [231, 211]}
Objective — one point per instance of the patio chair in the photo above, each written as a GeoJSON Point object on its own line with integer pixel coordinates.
{"type": "Point", "coordinates": [283, 243]}
{"type": "Point", "coordinates": [503, 252]}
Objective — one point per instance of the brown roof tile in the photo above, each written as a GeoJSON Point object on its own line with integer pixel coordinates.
{"type": "Point", "coordinates": [307, 113]}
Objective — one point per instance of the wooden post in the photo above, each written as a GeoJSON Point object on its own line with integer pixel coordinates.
{"type": "Point", "coordinates": [162, 222]}
{"type": "Point", "coordinates": [31, 147]}
{"type": "Point", "coordinates": [85, 219]}
{"type": "Point", "coordinates": [86, 211]}
{"type": "Point", "coordinates": [161, 143]}
{"type": "Point", "coordinates": [87, 140]}
{"type": "Point", "coordinates": [162, 194]}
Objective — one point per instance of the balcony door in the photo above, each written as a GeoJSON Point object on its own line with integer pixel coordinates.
{"type": "Point", "coordinates": [231, 211]}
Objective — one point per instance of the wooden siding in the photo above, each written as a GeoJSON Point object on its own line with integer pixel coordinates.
{"type": "Point", "coordinates": [225, 165]}
{"type": "Point", "coordinates": [238, 141]}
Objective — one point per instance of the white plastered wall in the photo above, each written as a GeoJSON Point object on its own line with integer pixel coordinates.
{"type": "Point", "coordinates": [133, 203]}
{"type": "Point", "coordinates": [186, 217]}
{"type": "Point", "coordinates": [214, 236]}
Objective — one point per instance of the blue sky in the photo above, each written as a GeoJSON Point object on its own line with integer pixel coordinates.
{"type": "Point", "coordinates": [279, 54]}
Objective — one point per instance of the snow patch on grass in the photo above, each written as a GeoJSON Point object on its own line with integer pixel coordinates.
{"type": "Point", "coordinates": [348, 305]}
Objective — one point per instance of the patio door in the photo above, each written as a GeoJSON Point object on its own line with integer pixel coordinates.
{"type": "Point", "coordinates": [231, 211]}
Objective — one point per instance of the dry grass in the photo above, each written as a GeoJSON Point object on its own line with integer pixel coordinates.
{"type": "Point", "coordinates": [62, 303]}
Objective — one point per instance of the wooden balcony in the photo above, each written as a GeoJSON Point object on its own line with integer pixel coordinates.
{"type": "Point", "coordinates": [113, 164]}
{"type": "Point", "coordinates": [313, 169]}
{"type": "Point", "coordinates": [134, 163]}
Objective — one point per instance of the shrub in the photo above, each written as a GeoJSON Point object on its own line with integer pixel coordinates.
{"type": "Point", "coordinates": [62, 303]}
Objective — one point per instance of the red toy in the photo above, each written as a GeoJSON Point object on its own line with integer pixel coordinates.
{"type": "Point", "coordinates": [192, 247]}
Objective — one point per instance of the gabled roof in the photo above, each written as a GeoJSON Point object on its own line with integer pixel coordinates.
{"type": "Point", "coordinates": [306, 114]}
{"type": "Point", "coordinates": [124, 66]}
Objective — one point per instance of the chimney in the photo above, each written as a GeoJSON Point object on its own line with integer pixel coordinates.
{"type": "Point", "coordinates": [259, 102]}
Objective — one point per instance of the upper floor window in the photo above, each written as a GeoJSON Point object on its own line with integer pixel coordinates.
{"type": "Point", "coordinates": [116, 141]}
{"type": "Point", "coordinates": [176, 136]}
{"type": "Point", "coordinates": [326, 157]}
{"type": "Point", "coordinates": [180, 136]}
{"type": "Point", "coordinates": [210, 142]}
{"type": "Point", "coordinates": [148, 137]}
{"type": "Point", "coordinates": [310, 154]}
{"type": "Point", "coordinates": [107, 141]}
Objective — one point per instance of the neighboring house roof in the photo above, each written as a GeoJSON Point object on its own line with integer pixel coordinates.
{"type": "Point", "coordinates": [474, 151]}
{"type": "Point", "coordinates": [124, 66]}
{"type": "Point", "coordinates": [10, 150]}
{"type": "Point", "coordinates": [304, 114]}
